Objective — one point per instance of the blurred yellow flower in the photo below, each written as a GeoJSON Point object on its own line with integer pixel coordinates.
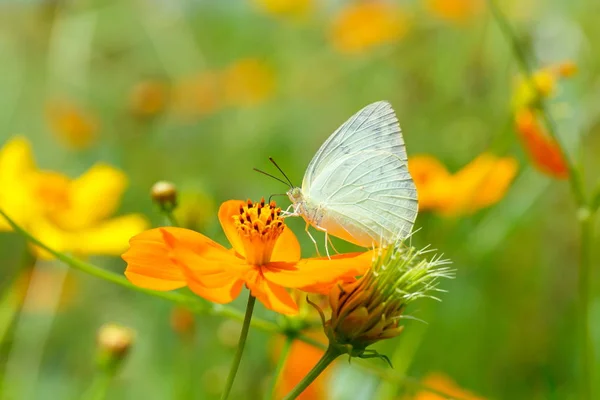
{"type": "Point", "coordinates": [148, 98]}
{"type": "Point", "coordinates": [455, 10]}
{"type": "Point", "coordinates": [72, 125]}
{"type": "Point", "coordinates": [446, 385]}
{"type": "Point", "coordinates": [481, 183]}
{"type": "Point", "coordinates": [543, 83]}
{"type": "Point", "coordinates": [363, 25]}
{"type": "Point", "coordinates": [247, 82]}
{"type": "Point", "coordinates": [66, 214]}
{"type": "Point", "coordinates": [197, 95]}
{"type": "Point", "coordinates": [286, 8]}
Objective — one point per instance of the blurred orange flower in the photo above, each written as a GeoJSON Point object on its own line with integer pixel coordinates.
{"type": "Point", "coordinates": [455, 10]}
{"type": "Point", "coordinates": [363, 25]}
{"type": "Point", "coordinates": [446, 385]}
{"type": "Point", "coordinates": [197, 95]}
{"type": "Point", "coordinates": [71, 124]}
{"type": "Point", "coordinates": [247, 82]}
{"type": "Point", "coordinates": [301, 359]}
{"type": "Point", "coordinates": [265, 257]}
{"type": "Point", "coordinates": [286, 8]}
{"type": "Point", "coordinates": [481, 183]}
{"type": "Point", "coordinates": [66, 214]}
{"type": "Point", "coordinates": [543, 150]}
{"type": "Point", "coordinates": [42, 299]}
{"type": "Point", "coordinates": [148, 98]}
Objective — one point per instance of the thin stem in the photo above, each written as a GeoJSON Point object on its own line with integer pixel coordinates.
{"type": "Point", "coordinates": [330, 354]}
{"type": "Point", "coordinates": [100, 385]}
{"type": "Point", "coordinates": [586, 341]}
{"type": "Point", "coordinates": [240, 348]}
{"type": "Point", "coordinates": [285, 352]}
{"type": "Point", "coordinates": [170, 217]}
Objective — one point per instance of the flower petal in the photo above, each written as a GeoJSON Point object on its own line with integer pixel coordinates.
{"type": "Point", "coordinates": [101, 182]}
{"type": "Point", "coordinates": [318, 274]}
{"type": "Point", "coordinates": [109, 237]}
{"type": "Point", "coordinates": [226, 212]}
{"type": "Point", "coordinates": [273, 296]}
{"type": "Point", "coordinates": [287, 247]}
{"type": "Point", "coordinates": [210, 270]}
{"type": "Point", "coordinates": [149, 265]}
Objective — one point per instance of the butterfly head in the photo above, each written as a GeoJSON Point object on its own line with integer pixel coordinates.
{"type": "Point", "coordinates": [296, 196]}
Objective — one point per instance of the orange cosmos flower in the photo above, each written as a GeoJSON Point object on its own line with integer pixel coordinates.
{"type": "Point", "coordinates": [301, 359]}
{"type": "Point", "coordinates": [367, 24]}
{"type": "Point", "coordinates": [446, 385]}
{"type": "Point", "coordinates": [148, 98]}
{"type": "Point", "coordinates": [265, 257]}
{"type": "Point", "coordinates": [73, 125]}
{"type": "Point", "coordinates": [543, 150]}
{"type": "Point", "coordinates": [455, 10]}
{"type": "Point", "coordinates": [481, 183]}
{"type": "Point", "coordinates": [247, 82]}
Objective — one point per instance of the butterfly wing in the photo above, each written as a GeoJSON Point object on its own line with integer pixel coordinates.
{"type": "Point", "coordinates": [375, 127]}
{"type": "Point", "coordinates": [367, 197]}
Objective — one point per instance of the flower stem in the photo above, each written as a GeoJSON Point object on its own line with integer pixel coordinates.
{"type": "Point", "coordinates": [99, 386]}
{"type": "Point", "coordinates": [330, 354]}
{"type": "Point", "coordinates": [240, 348]}
{"type": "Point", "coordinates": [586, 343]}
{"type": "Point", "coordinates": [285, 352]}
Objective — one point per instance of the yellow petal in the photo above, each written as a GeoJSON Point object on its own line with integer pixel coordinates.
{"type": "Point", "coordinates": [110, 237]}
{"type": "Point", "coordinates": [93, 196]}
{"type": "Point", "coordinates": [17, 168]}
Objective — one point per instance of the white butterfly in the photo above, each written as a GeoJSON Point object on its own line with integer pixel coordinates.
{"type": "Point", "coordinates": [357, 187]}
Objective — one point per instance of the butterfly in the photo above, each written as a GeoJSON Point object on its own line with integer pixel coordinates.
{"type": "Point", "coordinates": [357, 186]}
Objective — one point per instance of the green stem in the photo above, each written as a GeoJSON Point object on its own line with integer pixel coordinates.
{"type": "Point", "coordinates": [240, 348]}
{"type": "Point", "coordinates": [170, 217]}
{"type": "Point", "coordinates": [330, 354]}
{"type": "Point", "coordinates": [100, 385]}
{"type": "Point", "coordinates": [586, 341]}
{"type": "Point", "coordinates": [285, 352]}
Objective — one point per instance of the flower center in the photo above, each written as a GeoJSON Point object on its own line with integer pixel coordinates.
{"type": "Point", "coordinates": [259, 225]}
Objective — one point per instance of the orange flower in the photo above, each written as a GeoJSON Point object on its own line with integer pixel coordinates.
{"type": "Point", "coordinates": [197, 95]}
{"type": "Point", "coordinates": [543, 150]}
{"type": "Point", "coordinates": [367, 24]}
{"type": "Point", "coordinates": [72, 125]}
{"type": "Point", "coordinates": [446, 385]}
{"type": "Point", "coordinates": [481, 183]}
{"type": "Point", "coordinates": [247, 82]}
{"type": "Point", "coordinates": [265, 257]}
{"type": "Point", "coordinates": [301, 359]}
{"type": "Point", "coordinates": [286, 8]}
{"type": "Point", "coordinates": [455, 10]}
{"type": "Point", "coordinates": [147, 98]}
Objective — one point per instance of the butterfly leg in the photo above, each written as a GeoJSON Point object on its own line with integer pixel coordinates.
{"type": "Point", "coordinates": [313, 239]}
{"type": "Point", "coordinates": [286, 213]}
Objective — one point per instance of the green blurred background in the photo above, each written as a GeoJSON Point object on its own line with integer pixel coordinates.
{"type": "Point", "coordinates": [200, 92]}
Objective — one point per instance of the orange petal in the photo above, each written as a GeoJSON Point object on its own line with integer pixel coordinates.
{"type": "Point", "coordinates": [149, 265]}
{"type": "Point", "coordinates": [543, 150]}
{"type": "Point", "coordinates": [226, 212]}
{"type": "Point", "coordinates": [287, 247]}
{"type": "Point", "coordinates": [318, 274]}
{"type": "Point", "coordinates": [273, 296]}
{"type": "Point", "coordinates": [209, 269]}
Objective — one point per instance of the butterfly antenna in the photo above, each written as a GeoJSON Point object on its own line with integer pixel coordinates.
{"type": "Point", "coordinates": [276, 194]}
{"type": "Point", "coordinates": [280, 170]}
{"type": "Point", "coordinates": [269, 175]}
